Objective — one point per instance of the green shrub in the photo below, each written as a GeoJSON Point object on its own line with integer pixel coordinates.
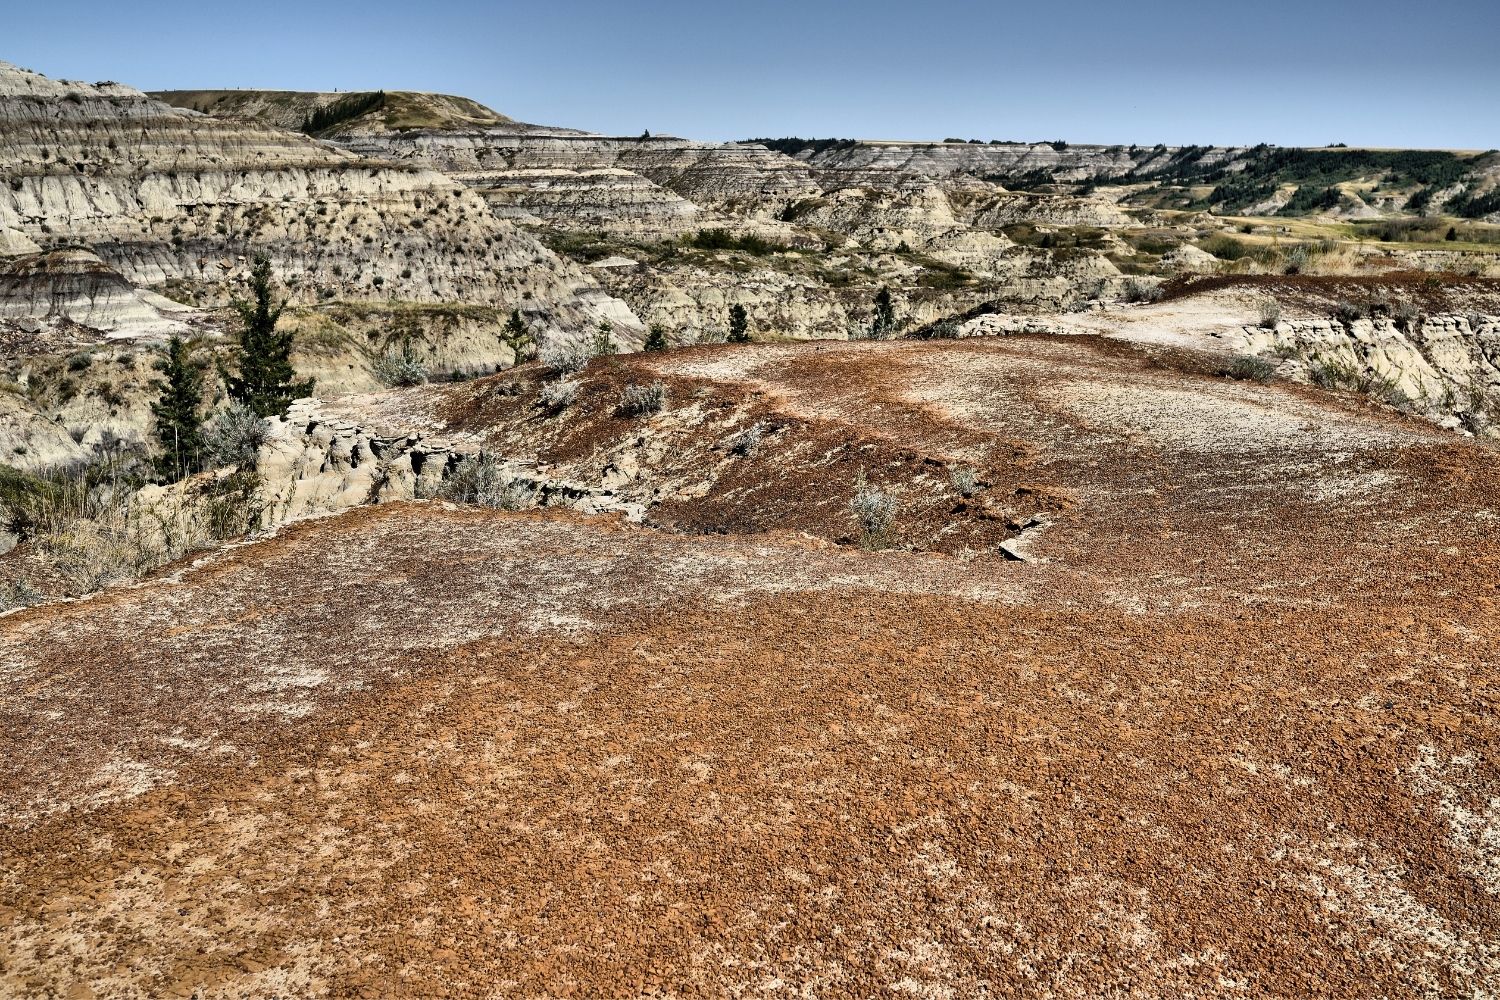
{"type": "Point", "coordinates": [400, 370]}
{"type": "Point", "coordinates": [723, 239]}
{"type": "Point", "coordinates": [1252, 369]}
{"type": "Point", "coordinates": [1137, 290]}
{"type": "Point", "coordinates": [480, 481]}
{"type": "Point", "coordinates": [1347, 312]}
{"type": "Point", "coordinates": [1226, 248]}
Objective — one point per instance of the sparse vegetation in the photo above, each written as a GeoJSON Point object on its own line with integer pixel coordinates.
{"type": "Point", "coordinates": [723, 239]}
{"type": "Point", "coordinates": [1141, 290]}
{"type": "Point", "coordinates": [401, 368]}
{"type": "Point", "coordinates": [1347, 312]}
{"type": "Point", "coordinates": [342, 110]}
{"type": "Point", "coordinates": [604, 340]}
{"type": "Point", "coordinates": [1342, 374]}
{"type": "Point", "coordinates": [964, 480]}
{"type": "Point", "coordinates": [1270, 314]}
{"type": "Point", "coordinates": [558, 396]}
{"type": "Point", "coordinates": [1251, 369]}
{"type": "Point", "coordinates": [481, 481]}
{"type": "Point", "coordinates": [641, 400]}
{"type": "Point", "coordinates": [747, 441]}
{"type": "Point", "coordinates": [97, 523]}
{"type": "Point", "coordinates": [656, 338]}
{"type": "Point", "coordinates": [874, 511]}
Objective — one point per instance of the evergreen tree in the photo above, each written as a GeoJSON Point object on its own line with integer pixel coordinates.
{"type": "Point", "coordinates": [266, 381]}
{"type": "Point", "coordinates": [656, 340]}
{"type": "Point", "coordinates": [176, 412]}
{"type": "Point", "coordinates": [604, 339]}
{"type": "Point", "coordinates": [517, 337]}
{"type": "Point", "coordinates": [885, 315]}
{"type": "Point", "coordinates": [739, 325]}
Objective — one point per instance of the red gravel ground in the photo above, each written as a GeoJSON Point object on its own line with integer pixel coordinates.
{"type": "Point", "coordinates": [1230, 734]}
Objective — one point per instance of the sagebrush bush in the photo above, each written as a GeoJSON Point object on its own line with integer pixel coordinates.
{"type": "Point", "coordinates": [234, 436]}
{"type": "Point", "coordinates": [566, 356]}
{"type": "Point", "coordinates": [399, 370]}
{"type": "Point", "coordinates": [1270, 314]}
{"type": "Point", "coordinates": [481, 481]}
{"type": "Point", "coordinates": [19, 594]}
{"type": "Point", "coordinates": [639, 400]}
{"type": "Point", "coordinates": [1138, 290]}
{"type": "Point", "coordinates": [559, 395]}
{"type": "Point", "coordinates": [1407, 315]}
{"type": "Point", "coordinates": [1349, 376]}
{"type": "Point", "coordinates": [1246, 368]}
{"type": "Point", "coordinates": [965, 480]}
{"type": "Point", "coordinates": [748, 440]}
{"type": "Point", "coordinates": [1296, 259]}
{"type": "Point", "coordinates": [875, 512]}
{"type": "Point", "coordinates": [1347, 312]}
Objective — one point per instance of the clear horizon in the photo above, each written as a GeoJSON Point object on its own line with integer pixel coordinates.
{"type": "Point", "coordinates": [1292, 74]}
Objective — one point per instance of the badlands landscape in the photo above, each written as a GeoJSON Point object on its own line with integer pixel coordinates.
{"type": "Point", "coordinates": [789, 567]}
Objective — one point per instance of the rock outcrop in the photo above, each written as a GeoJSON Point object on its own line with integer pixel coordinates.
{"type": "Point", "coordinates": [1444, 367]}
{"type": "Point", "coordinates": [76, 286]}
{"type": "Point", "coordinates": [318, 461]}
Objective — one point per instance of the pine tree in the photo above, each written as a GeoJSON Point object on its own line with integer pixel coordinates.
{"type": "Point", "coordinates": [517, 337]}
{"type": "Point", "coordinates": [656, 340]}
{"type": "Point", "coordinates": [739, 325]}
{"type": "Point", "coordinates": [885, 315]}
{"type": "Point", "coordinates": [266, 381]}
{"type": "Point", "coordinates": [176, 412]}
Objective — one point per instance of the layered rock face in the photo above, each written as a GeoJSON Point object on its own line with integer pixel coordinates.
{"type": "Point", "coordinates": [108, 198]}
{"type": "Point", "coordinates": [719, 176]}
{"type": "Point", "coordinates": [887, 164]}
{"type": "Point", "coordinates": [76, 286]}
{"type": "Point", "coordinates": [1445, 366]}
{"type": "Point", "coordinates": [561, 176]}
{"type": "Point", "coordinates": [605, 199]}
{"type": "Point", "coordinates": [166, 195]}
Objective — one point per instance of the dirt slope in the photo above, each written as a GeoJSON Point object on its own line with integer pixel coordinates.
{"type": "Point", "coordinates": [1231, 738]}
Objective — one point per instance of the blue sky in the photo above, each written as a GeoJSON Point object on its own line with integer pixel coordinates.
{"type": "Point", "coordinates": [1381, 72]}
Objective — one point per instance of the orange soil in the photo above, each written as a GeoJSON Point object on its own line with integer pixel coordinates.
{"type": "Point", "coordinates": [1234, 736]}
